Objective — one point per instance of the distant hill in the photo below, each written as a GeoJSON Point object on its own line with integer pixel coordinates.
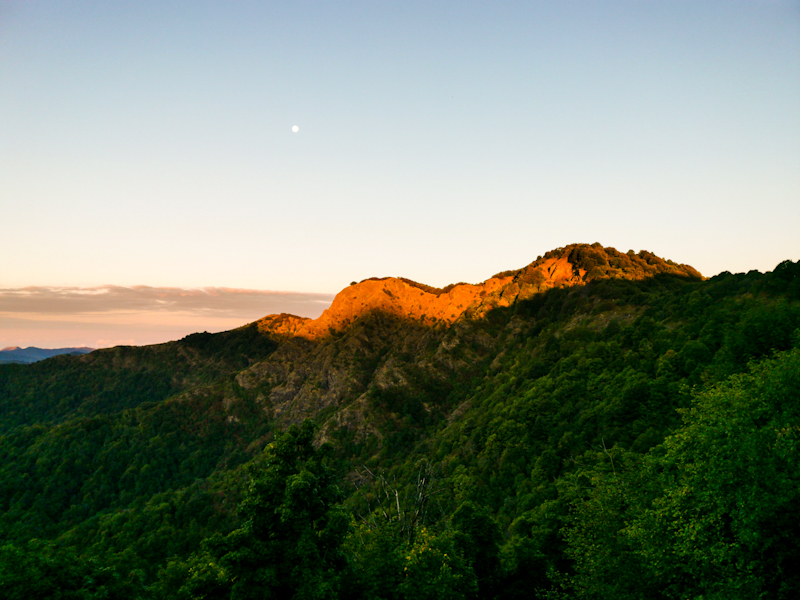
{"type": "Point", "coordinates": [26, 356]}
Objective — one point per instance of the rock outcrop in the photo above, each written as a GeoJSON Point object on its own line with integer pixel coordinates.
{"type": "Point", "coordinates": [573, 265]}
{"type": "Point", "coordinates": [283, 325]}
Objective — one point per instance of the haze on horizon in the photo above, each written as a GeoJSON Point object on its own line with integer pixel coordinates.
{"type": "Point", "coordinates": [150, 144]}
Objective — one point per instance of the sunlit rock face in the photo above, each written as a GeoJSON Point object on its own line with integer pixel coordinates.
{"type": "Point", "coordinates": [400, 298]}
{"type": "Point", "coordinates": [282, 325]}
{"type": "Point", "coordinates": [576, 264]}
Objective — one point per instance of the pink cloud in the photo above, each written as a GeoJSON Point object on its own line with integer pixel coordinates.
{"type": "Point", "coordinates": [110, 315]}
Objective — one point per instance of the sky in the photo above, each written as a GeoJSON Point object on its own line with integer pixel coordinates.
{"type": "Point", "coordinates": [105, 316]}
{"type": "Point", "coordinates": [148, 146]}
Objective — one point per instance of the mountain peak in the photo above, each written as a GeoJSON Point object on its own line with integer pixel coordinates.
{"type": "Point", "coordinates": [576, 264]}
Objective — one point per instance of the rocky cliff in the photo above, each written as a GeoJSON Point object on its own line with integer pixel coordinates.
{"type": "Point", "coordinates": [573, 265]}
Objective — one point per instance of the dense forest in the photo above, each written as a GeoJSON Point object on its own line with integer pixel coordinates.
{"type": "Point", "coordinates": [630, 430]}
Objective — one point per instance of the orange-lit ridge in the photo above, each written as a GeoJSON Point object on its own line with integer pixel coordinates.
{"type": "Point", "coordinates": [576, 264]}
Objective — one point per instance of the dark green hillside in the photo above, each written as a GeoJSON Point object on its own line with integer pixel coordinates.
{"type": "Point", "coordinates": [472, 457]}
{"type": "Point", "coordinates": [108, 381]}
{"type": "Point", "coordinates": [62, 476]}
{"type": "Point", "coordinates": [714, 510]}
{"type": "Point", "coordinates": [589, 382]}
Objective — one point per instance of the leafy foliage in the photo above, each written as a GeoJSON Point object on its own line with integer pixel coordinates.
{"type": "Point", "coordinates": [289, 543]}
{"type": "Point", "coordinates": [41, 571]}
{"type": "Point", "coordinates": [623, 438]}
{"type": "Point", "coordinates": [711, 512]}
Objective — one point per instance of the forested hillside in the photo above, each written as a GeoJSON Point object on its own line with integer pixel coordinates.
{"type": "Point", "coordinates": [595, 425]}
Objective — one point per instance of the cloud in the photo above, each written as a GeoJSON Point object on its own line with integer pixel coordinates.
{"type": "Point", "coordinates": [108, 315]}
{"type": "Point", "coordinates": [248, 304]}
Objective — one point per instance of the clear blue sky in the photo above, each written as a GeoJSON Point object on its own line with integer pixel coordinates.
{"type": "Point", "coordinates": [150, 143]}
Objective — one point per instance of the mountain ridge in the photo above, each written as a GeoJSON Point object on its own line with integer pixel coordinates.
{"type": "Point", "coordinates": [32, 354]}
{"type": "Point", "coordinates": [381, 320]}
{"type": "Point", "coordinates": [575, 264]}
{"type": "Point", "coordinates": [518, 413]}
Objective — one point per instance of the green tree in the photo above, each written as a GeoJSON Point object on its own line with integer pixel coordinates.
{"type": "Point", "coordinates": [290, 543]}
{"type": "Point", "coordinates": [39, 570]}
{"type": "Point", "coordinates": [477, 538]}
{"type": "Point", "coordinates": [385, 565]}
{"type": "Point", "coordinates": [728, 521]}
{"type": "Point", "coordinates": [395, 555]}
{"type": "Point", "coordinates": [606, 498]}
{"type": "Point", "coordinates": [712, 513]}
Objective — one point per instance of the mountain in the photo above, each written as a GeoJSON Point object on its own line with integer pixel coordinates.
{"type": "Point", "coordinates": [496, 417]}
{"type": "Point", "coordinates": [15, 354]}
{"type": "Point", "coordinates": [380, 319]}
{"type": "Point", "coordinates": [575, 265]}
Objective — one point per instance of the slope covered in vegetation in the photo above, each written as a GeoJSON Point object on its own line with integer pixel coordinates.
{"type": "Point", "coordinates": [548, 432]}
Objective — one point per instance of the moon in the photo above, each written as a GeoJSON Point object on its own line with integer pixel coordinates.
{"type": "Point", "coordinates": [295, 128]}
